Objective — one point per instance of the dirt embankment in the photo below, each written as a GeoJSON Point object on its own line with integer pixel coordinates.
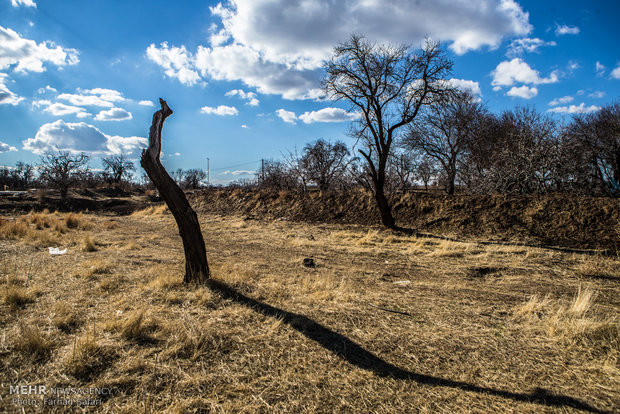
{"type": "Point", "coordinates": [554, 220]}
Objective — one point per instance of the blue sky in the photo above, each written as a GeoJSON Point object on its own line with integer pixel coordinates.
{"type": "Point", "coordinates": [243, 76]}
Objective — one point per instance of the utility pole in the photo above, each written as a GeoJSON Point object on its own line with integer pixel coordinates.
{"type": "Point", "coordinates": [208, 172]}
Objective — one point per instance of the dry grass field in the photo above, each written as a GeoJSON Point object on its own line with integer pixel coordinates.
{"type": "Point", "coordinates": [383, 323]}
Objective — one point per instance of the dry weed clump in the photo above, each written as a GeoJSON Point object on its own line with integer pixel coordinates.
{"type": "Point", "coordinates": [157, 210]}
{"type": "Point", "coordinates": [65, 317]}
{"type": "Point", "coordinates": [88, 357]}
{"type": "Point", "coordinates": [570, 322]}
{"type": "Point", "coordinates": [89, 244]}
{"type": "Point", "coordinates": [31, 343]}
{"type": "Point", "coordinates": [135, 329]}
{"type": "Point", "coordinates": [17, 297]}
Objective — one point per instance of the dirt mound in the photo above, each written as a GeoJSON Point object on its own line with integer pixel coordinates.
{"type": "Point", "coordinates": [556, 220]}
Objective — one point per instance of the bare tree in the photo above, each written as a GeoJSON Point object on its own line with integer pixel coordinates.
{"type": "Point", "coordinates": [425, 171]}
{"type": "Point", "coordinates": [62, 170]}
{"type": "Point", "coordinates": [193, 177]}
{"type": "Point", "coordinates": [323, 162]}
{"type": "Point", "coordinates": [196, 267]}
{"type": "Point", "coordinates": [403, 169]}
{"type": "Point", "coordinates": [444, 130]}
{"type": "Point", "coordinates": [388, 85]}
{"type": "Point", "coordinates": [593, 143]}
{"type": "Point", "coordinates": [276, 176]}
{"type": "Point", "coordinates": [22, 175]}
{"type": "Point", "coordinates": [117, 168]}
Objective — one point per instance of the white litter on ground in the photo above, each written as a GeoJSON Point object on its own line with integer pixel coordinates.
{"type": "Point", "coordinates": [55, 251]}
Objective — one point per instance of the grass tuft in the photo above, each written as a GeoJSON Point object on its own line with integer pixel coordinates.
{"type": "Point", "coordinates": [17, 297]}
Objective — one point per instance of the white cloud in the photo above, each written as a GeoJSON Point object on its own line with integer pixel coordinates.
{"type": "Point", "coordinates": [176, 61]}
{"type": "Point", "coordinates": [278, 46]}
{"type": "Point", "coordinates": [239, 172]}
{"type": "Point", "coordinates": [60, 109]}
{"type": "Point", "coordinates": [524, 92]}
{"type": "Point", "coordinates": [286, 116]}
{"type": "Point", "coordinates": [6, 147]}
{"type": "Point", "coordinates": [600, 68]}
{"type": "Point", "coordinates": [221, 110]}
{"type": "Point", "coordinates": [326, 115]}
{"type": "Point", "coordinates": [597, 94]}
{"type": "Point", "coordinates": [245, 126]}
{"type": "Point", "coordinates": [113, 114]}
{"type": "Point", "coordinates": [104, 98]}
{"type": "Point", "coordinates": [80, 137]}
{"type": "Point", "coordinates": [562, 100]}
{"type": "Point", "coordinates": [466, 86]}
{"type": "Point", "coordinates": [7, 97]}
{"type": "Point", "coordinates": [516, 70]}
{"type": "Point", "coordinates": [250, 97]}
{"type": "Point", "coordinates": [146, 103]}
{"type": "Point", "coordinates": [28, 56]}
{"type": "Point", "coordinates": [520, 46]}
{"type": "Point", "coordinates": [241, 63]}
{"type": "Point", "coordinates": [47, 88]}
{"type": "Point", "coordinates": [564, 29]}
{"type": "Point", "coordinates": [27, 3]}
{"type": "Point", "coordinates": [109, 95]}
{"type": "Point", "coordinates": [616, 72]}
{"type": "Point", "coordinates": [574, 109]}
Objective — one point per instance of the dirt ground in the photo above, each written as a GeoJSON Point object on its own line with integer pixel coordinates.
{"type": "Point", "coordinates": [382, 323]}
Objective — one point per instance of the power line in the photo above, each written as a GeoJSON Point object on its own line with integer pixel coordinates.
{"type": "Point", "coordinates": [235, 166]}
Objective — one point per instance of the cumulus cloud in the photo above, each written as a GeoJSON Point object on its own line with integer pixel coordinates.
{"type": "Point", "coordinates": [516, 70]}
{"type": "Point", "coordinates": [466, 86]}
{"type": "Point", "coordinates": [287, 116]}
{"type": "Point", "coordinates": [520, 46]}
{"type": "Point", "coordinates": [28, 56]}
{"type": "Point", "coordinates": [241, 63]}
{"type": "Point", "coordinates": [113, 114]}
{"type": "Point", "coordinates": [27, 3]}
{"type": "Point", "coordinates": [575, 109]}
{"type": "Point", "coordinates": [616, 72]}
{"type": "Point", "coordinates": [104, 98]}
{"type": "Point", "coordinates": [597, 94]}
{"type": "Point", "coordinates": [7, 97]}
{"type": "Point", "coordinates": [60, 109]}
{"type": "Point", "coordinates": [221, 110]}
{"type": "Point", "coordinates": [327, 115]}
{"type": "Point", "coordinates": [6, 147]}
{"type": "Point", "coordinates": [562, 100]}
{"type": "Point", "coordinates": [524, 92]}
{"type": "Point", "coordinates": [80, 137]}
{"type": "Point", "coordinates": [600, 68]}
{"type": "Point", "coordinates": [562, 29]}
{"type": "Point", "coordinates": [250, 97]}
{"type": "Point", "coordinates": [146, 103]}
{"type": "Point", "coordinates": [278, 46]}
{"type": "Point", "coordinates": [176, 62]}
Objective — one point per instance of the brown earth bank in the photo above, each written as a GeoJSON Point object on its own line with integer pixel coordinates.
{"type": "Point", "coordinates": [550, 220]}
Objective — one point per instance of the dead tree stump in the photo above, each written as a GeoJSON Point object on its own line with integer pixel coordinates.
{"type": "Point", "coordinates": [196, 267]}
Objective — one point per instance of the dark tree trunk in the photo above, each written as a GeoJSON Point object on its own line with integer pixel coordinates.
{"type": "Point", "coordinates": [385, 210]}
{"type": "Point", "coordinates": [450, 183]}
{"type": "Point", "coordinates": [196, 267]}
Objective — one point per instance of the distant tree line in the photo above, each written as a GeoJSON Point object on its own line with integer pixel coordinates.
{"type": "Point", "coordinates": [456, 144]}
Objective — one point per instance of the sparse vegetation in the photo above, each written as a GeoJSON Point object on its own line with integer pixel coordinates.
{"type": "Point", "coordinates": [384, 322]}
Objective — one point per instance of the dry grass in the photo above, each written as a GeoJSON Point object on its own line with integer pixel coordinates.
{"type": "Point", "coordinates": [16, 297]}
{"type": "Point", "coordinates": [384, 323]}
{"type": "Point", "coordinates": [32, 344]}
